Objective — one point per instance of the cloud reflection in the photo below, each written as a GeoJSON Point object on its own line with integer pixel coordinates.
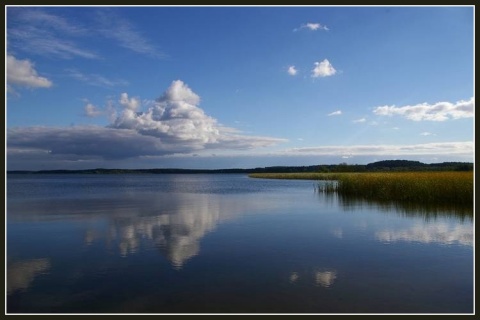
{"type": "Point", "coordinates": [324, 278]}
{"type": "Point", "coordinates": [174, 224]}
{"type": "Point", "coordinates": [436, 233]}
{"type": "Point", "coordinates": [176, 233]}
{"type": "Point", "coordinates": [21, 274]}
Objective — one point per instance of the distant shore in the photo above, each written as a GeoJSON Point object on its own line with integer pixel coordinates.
{"type": "Point", "coordinates": [379, 166]}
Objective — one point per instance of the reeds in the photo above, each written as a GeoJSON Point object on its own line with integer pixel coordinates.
{"type": "Point", "coordinates": [426, 187]}
{"type": "Point", "coordinates": [444, 187]}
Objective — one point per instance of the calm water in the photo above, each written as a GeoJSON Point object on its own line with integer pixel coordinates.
{"type": "Point", "coordinates": [227, 244]}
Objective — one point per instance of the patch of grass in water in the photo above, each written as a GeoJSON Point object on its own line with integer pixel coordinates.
{"type": "Point", "coordinates": [443, 187]}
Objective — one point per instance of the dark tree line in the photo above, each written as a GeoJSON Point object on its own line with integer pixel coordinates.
{"type": "Point", "coordinates": [385, 165]}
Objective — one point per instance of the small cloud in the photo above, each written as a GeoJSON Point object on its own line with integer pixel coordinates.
{"type": "Point", "coordinates": [312, 26]}
{"type": "Point", "coordinates": [323, 69]}
{"type": "Point", "coordinates": [91, 111]}
{"type": "Point", "coordinates": [300, 139]}
{"type": "Point", "coordinates": [361, 120]}
{"type": "Point", "coordinates": [440, 111]}
{"type": "Point", "coordinates": [335, 113]}
{"type": "Point", "coordinates": [23, 73]}
{"type": "Point", "coordinates": [427, 134]}
{"type": "Point", "coordinates": [292, 70]}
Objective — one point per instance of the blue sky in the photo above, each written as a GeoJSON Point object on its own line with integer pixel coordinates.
{"type": "Point", "coordinates": [237, 87]}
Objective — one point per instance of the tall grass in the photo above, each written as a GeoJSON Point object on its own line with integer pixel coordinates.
{"type": "Point", "coordinates": [426, 187]}
{"type": "Point", "coordinates": [444, 187]}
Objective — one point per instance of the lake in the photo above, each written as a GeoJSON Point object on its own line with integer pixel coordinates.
{"type": "Point", "coordinates": [228, 243]}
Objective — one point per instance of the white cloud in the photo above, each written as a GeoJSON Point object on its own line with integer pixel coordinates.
{"type": "Point", "coordinates": [323, 69]}
{"type": "Point", "coordinates": [438, 148]}
{"type": "Point", "coordinates": [96, 79]}
{"type": "Point", "coordinates": [130, 104]}
{"type": "Point", "coordinates": [335, 113]}
{"type": "Point", "coordinates": [115, 27]}
{"type": "Point", "coordinates": [361, 120]}
{"type": "Point", "coordinates": [23, 73]}
{"type": "Point", "coordinates": [426, 133]}
{"type": "Point", "coordinates": [173, 125]}
{"type": "Point", "coordinates": [40, 17]}
{"type": "Point", "coordinates": [312, 26]}
{"type": "Point", "coordinates": [292, 70]}
{"type": "Point", "coordinates": [91, 111]}
{"type": "Point", "coordinates": [175, 118]}
{"type": "Point", "coordinates": [38, 32]}
{"type": "Point", "coordinates": [440, 111]}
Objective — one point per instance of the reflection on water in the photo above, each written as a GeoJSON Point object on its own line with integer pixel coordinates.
{"type": "Point", "coordinates": [22, 273]}
{"type": "Point", "coordinates": [176, 231]}
{"type": "Point", "coordinates": [263, 246]}
{"type": "Point", "coordinates": [422, 232]}
{"type": "Point", "coordinates": [427, 211]}
{"type": "Point", "coordinates": [438, 233]}
{"type": "Point", "coordinates": [337, 233]}
{"type": "Point", "coordinates": [324, 278]}
{"type": "Point", "coordinates": [173, 223]}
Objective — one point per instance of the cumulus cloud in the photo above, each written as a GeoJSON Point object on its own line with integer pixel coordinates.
{"type": "Point", "coordinates": [23, 73]}
{"type": "Point", "coordinates": [323, 69]}
{"type": "Point", "coordinates": [129, 103]}
{"type": "Point", "coordinates": [292, 70]}
{"type": "Point", "coordinates": [174, 124]}
{"type": "Point", "coordinates": [176, 119]}
{"type": "Point", "coordinates": [438, 148]}
{"type": "Point", "coordinates": [312, 26]}
{"type": "Point", "coordinates": [335, 113]}
{"type": "Point", "coordinates": [440, 111]}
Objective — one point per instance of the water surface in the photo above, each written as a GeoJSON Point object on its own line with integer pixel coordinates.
{"type": "Point", "coordinates": [227, 244]}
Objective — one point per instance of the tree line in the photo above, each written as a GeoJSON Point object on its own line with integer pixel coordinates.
{"type": "Point", "coordinates": [379, 166]}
